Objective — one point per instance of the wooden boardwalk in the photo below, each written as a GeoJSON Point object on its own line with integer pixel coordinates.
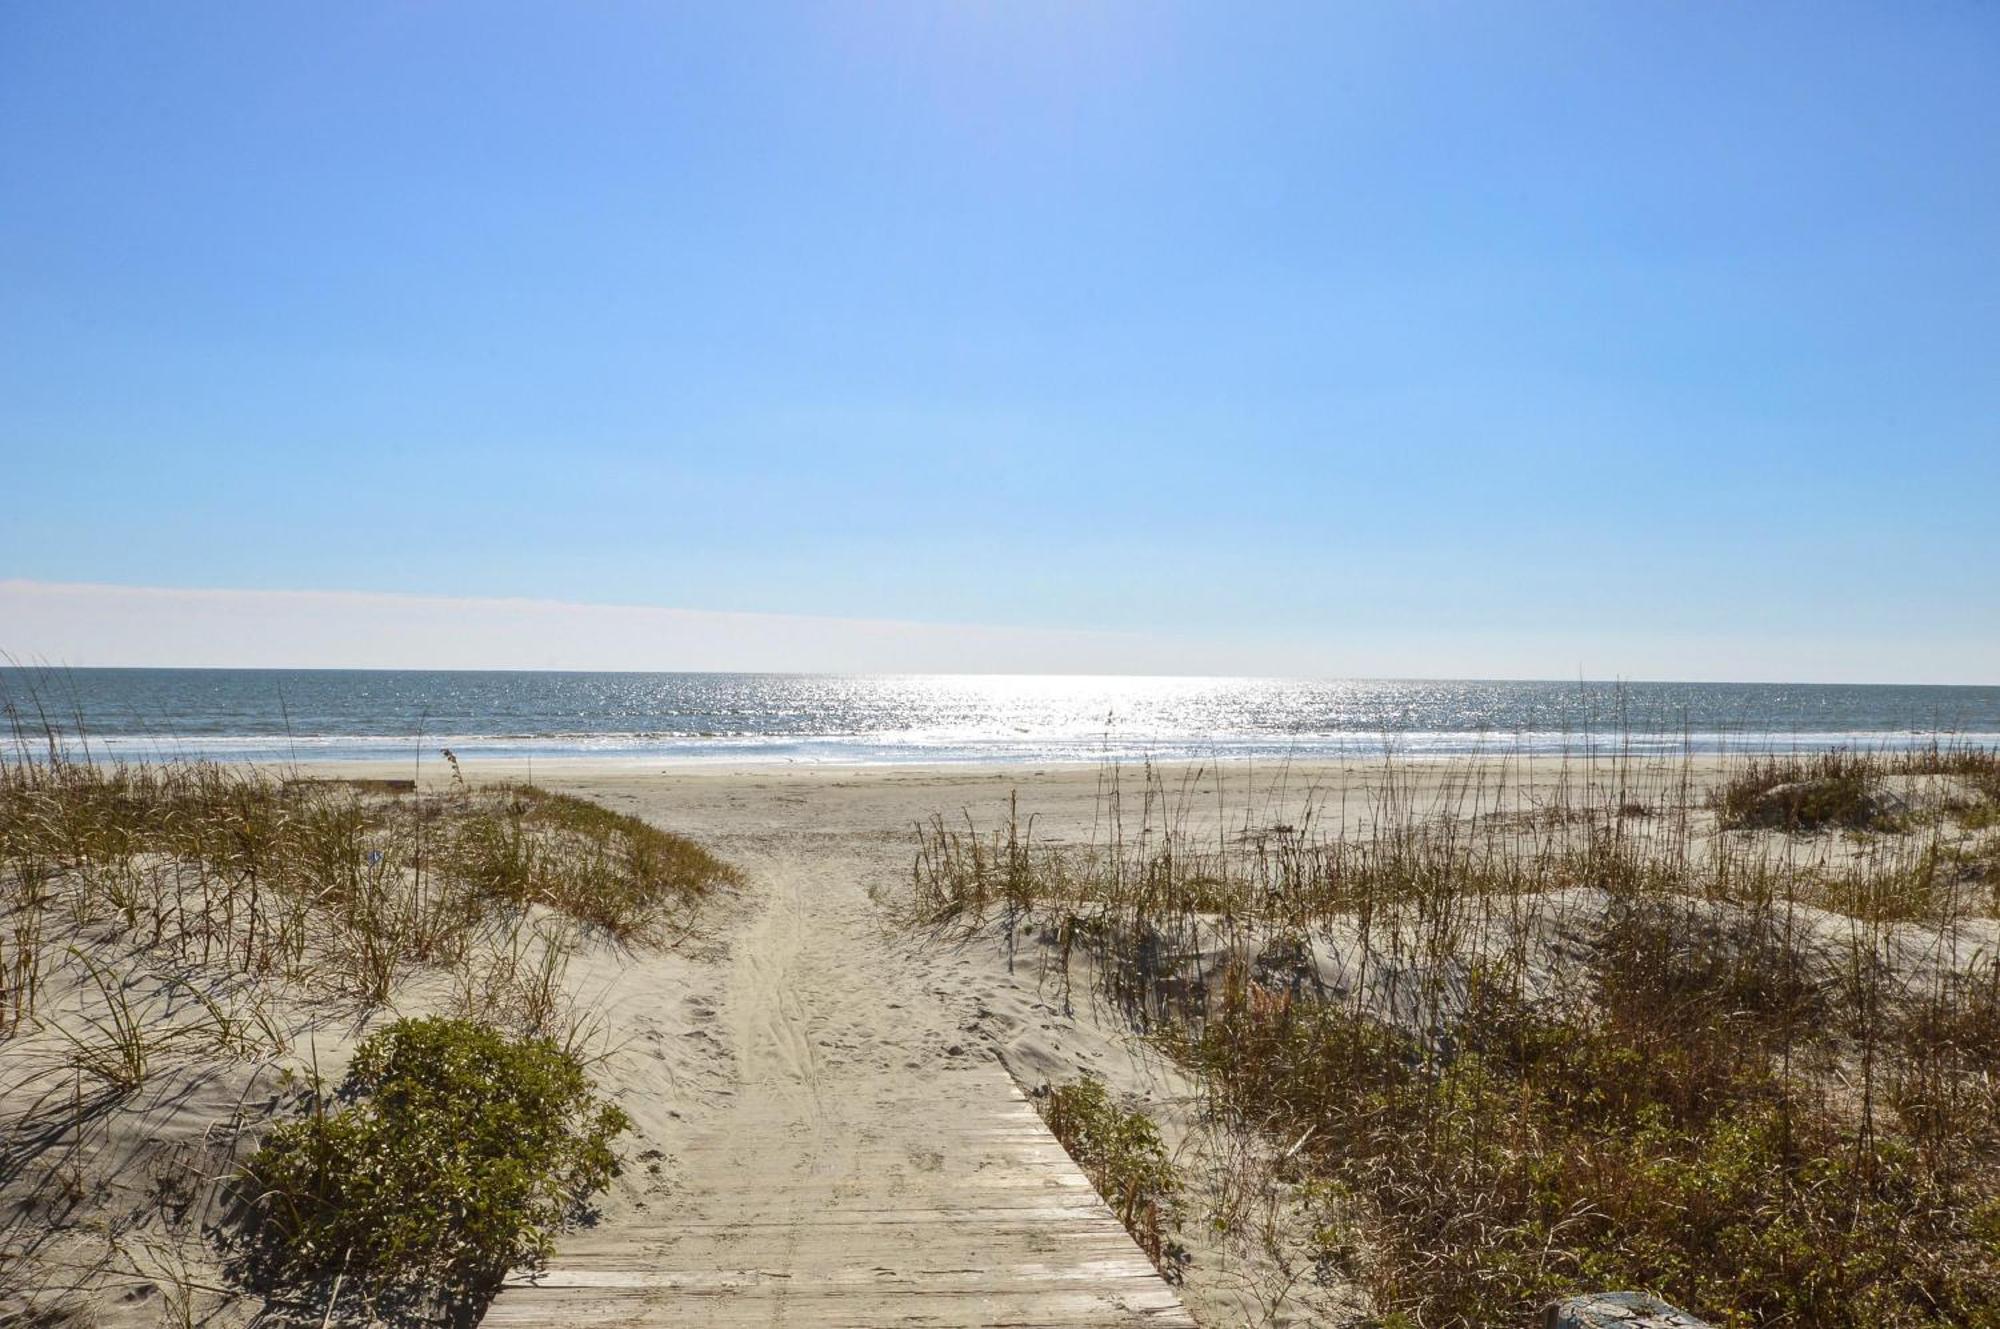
{"type": "Point", "coordinates": [943, 1201]}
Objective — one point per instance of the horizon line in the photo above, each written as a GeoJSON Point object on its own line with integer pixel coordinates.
{"type": "Point", "coordinates": [10, 662]}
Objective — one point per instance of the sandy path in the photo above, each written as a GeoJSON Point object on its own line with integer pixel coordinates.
{"type": "Point", "coordinates": [846, 1155]}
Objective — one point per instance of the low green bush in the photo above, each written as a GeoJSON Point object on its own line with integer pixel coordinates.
{"type": "Point", "coordinates": [1122, 1154]}
{"type": "Point", "coordinates": [456, 1155]}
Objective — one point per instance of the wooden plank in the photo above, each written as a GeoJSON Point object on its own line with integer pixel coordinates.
{"type": "Point", "coordinates": [958, 1208]}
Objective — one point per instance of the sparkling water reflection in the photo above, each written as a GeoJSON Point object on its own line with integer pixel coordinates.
{"type": "Point", "coordinates": [272, 715]}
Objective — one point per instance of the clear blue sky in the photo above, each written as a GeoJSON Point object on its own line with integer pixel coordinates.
{"type": "Point", "coordinates": [1633, 331]}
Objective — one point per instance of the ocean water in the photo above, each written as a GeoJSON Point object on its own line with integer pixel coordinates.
{"type": "Point", "coordinates": [316, 715]}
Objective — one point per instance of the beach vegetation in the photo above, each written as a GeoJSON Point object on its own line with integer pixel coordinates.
{"type": "Point", "coordinates": [1120, 1150]}
{"type": "Point", "coordinates": [1843, 788]}
{"type": "Point", "coordinates": [452, 1154]}
{"type": "Point", "coordinates": [579, 858]}
{"type": "Point", "coordinates": [322, 883]}
{"type": "Point", "coordinates": [166, 928]}
{"type": "Point", "coordinates": [1512, 1042]}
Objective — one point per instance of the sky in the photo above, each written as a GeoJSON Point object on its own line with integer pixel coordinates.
{"type": "Point", "coordinates": [1418, 339]}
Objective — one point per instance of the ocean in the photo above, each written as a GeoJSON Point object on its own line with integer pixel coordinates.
{"type": "Point", "coordinates": [317, 715]}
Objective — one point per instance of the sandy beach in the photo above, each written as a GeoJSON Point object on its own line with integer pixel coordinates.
{"type": "Point", "coordinates": [829, 1104]}
{"type": "Point", "coordinates": [806, 1005]}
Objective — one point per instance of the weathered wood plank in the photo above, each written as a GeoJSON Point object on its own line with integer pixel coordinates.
{"type": "Point", "coordinates": [962, 1211]}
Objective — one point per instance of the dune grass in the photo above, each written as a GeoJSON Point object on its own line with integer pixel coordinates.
{"type": "Point", "coordinates": [323, 884]}
{"type": "Point", "coordinates": [578, 858]}
{"type": "Point", "coordinates": [1843, 788]}
{"type": "Point", "coordinates": [1523, 1043]}
{"type": "Point", "coordinates": [174, 920]}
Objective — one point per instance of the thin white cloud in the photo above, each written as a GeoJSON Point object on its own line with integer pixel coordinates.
{"type": "Point", "coordinates": [81, 624]}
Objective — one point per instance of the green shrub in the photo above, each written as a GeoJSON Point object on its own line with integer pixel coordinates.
{"type": "Point", "coordinates": [456, 1156]}
{"type": "Point", "coordinates": [1121, 1153]}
